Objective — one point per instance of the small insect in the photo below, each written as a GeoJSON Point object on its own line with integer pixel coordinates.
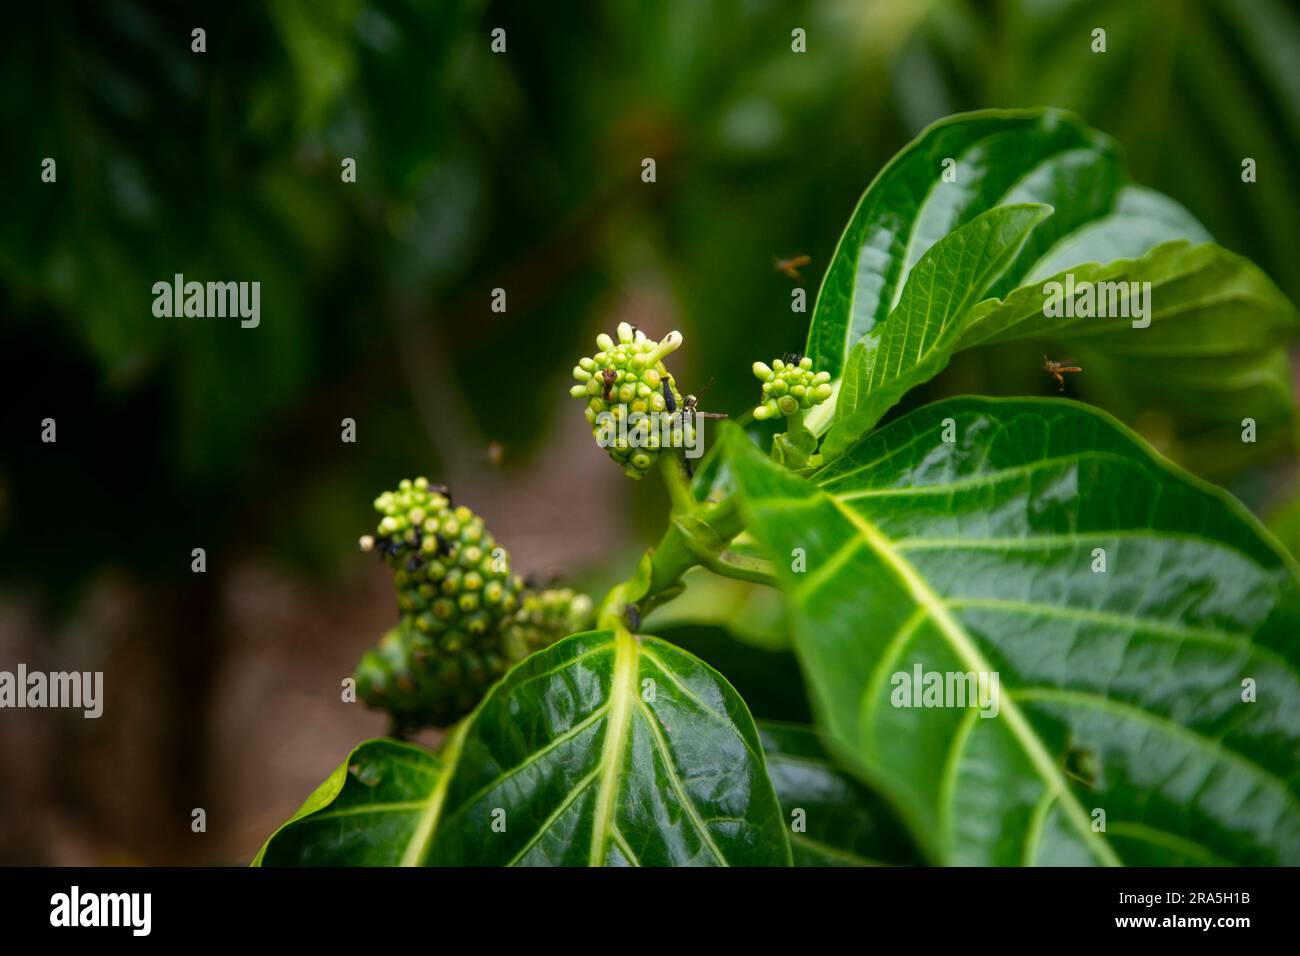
{"type": "Point", "coordinates": [792, 358]}
{"type": "Point", "coordinates": [1058, 370]}
{"type": "Point", "coordinates": [632, 615]}
{"type": "Point", "coordinates": [790, 267]}
{"type": "Point", "coordinates": [670, 403]}
{"type": "Point", "coordinates": [690, 411]}
{"type": "Point", "coordinates": [1080, 764]}
{"type": "Point", "coordinates": [537, 582]}
{"type": "Point", "coordinates": [610, 377]}
{"type": "Point", "coordinates": [690, 404]}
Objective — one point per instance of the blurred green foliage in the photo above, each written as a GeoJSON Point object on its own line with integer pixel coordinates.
{"type": "Point", "coordinates": [476, 171]}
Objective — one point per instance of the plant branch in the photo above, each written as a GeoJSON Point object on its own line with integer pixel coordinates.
{"type": "Point", "coordinates": [679, 489]}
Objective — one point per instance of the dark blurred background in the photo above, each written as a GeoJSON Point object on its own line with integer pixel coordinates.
{"type": "Point", "coordinates": [475, 171]}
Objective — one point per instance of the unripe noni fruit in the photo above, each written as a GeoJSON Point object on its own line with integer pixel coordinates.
{"type": "Point", "coordinates": [456, 592]}
{"type": "Point", "coordinates": [790, 388]}
{"type": "Point", "coordinates": [453, 580]}
{"type": "Point", "coordinates": [544, 617]}
{"type": "Point", "coordinates": [632, 399]}
{"type": "Point", "coordinates": [419, 685]}
{"type": "Point", "coordinates": [465, 617]}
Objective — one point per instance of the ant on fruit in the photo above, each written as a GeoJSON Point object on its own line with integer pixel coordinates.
{"type": "Point", "coordinates": [610, 377]}
{"type": "Point", "coordinates": [690, 407]}
{"type": "Point", "coordinates": [690, 404]}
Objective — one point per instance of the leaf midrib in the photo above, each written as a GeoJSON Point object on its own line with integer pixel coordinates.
{"type": "Point", "coordinates": [622, 693]}
{"type": "Point", "coordinates": [966, 650]}
{"type": "Point", "coordinates": [417, 850]}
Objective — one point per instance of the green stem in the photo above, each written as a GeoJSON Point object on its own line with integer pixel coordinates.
{"type": "Point", "coordinates": [679, 489]}
{"type": "Point", "coordinates": [697, 536]}
{"type": "Point", "coordinates": [794, 423]}
{"type": "Point", "coordinates": [742, 567]}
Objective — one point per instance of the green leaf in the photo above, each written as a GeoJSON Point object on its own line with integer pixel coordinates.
{"type": "Point", "coordinates": [998, 157]}
{"type": "Point", "coordinates": [921, 333]}
{"type": "Point", "coordinates": [610, 749]}
{"type": "Point", "coordinates": [377, 809]}
{"type": "Point", "coordinates": [603, 749]}
{"type": "Point", "coordinates": [1213, 352]}
{"type": "Point", "coordinates": [1120, 690]}
{"type": "Point", "coordinates": [913, 282]}
{"type": "Point", "coordinates": [842, 823]}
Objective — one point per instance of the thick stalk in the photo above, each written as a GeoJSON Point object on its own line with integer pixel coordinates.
{"type": "Point", "coordinates": [696, 535]}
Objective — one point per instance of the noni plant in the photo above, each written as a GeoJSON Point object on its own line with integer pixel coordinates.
{"type": "Point", "coordinates": [1025, 636]}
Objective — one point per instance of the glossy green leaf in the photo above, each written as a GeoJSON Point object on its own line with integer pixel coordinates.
{"type": "Point", "coordinates": [914, 281]}
{"type": "Point", "coordinates": [922, 331]}
{"type": "Point", "coordinates": [1213, 352]}
{"type": "Point", "coordinates": [834, 820]}
{"type": "Point", "coordinates": [1120, 691]}
{"type": "Point", "coordinates": [610, 749]}
{"type": "Point", "coordinates": [994, 157]}
{"type": "Point", "coordinates": [377, 809]}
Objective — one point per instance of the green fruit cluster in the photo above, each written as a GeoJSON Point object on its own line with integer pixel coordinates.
{"type": "Point", "coordinates": [790, 388]}
{"type": "Point", "coordinates": [544, 614]}
{"type": "Point", "coordinates": [465, 616]}
{"type": "Point", "coordinates": [626, 382]}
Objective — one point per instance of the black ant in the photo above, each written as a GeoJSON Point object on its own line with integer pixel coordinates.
{"type": "Point", "coordinates": [792, 358]}
{"type": "Point", "coordinates": [537, 582]}
{"type": "Point", "coordinates": [690, 407]}
{"type": "Point", "coordinates": [691, 403]}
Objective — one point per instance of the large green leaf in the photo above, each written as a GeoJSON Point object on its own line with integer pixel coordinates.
{"type": "Point", "coordinates": [921, 333]}
{"type": "Point", "coordinates": [834, 820]}
{"type": "Point", "coordinates": [604, 749]}
{"type": "Point", "coordinates": [998, 157]}
{"type": "Point", "coordinates": [930, 266]}
{"type": "Point", "coordinates": [377, 809]}
{"type": "Point", "coordinates": [611, 749]}
{"type": "Point", "coordinates": [1213, 353]}
{"type": "Point", "coordinates": [1120, 690]}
